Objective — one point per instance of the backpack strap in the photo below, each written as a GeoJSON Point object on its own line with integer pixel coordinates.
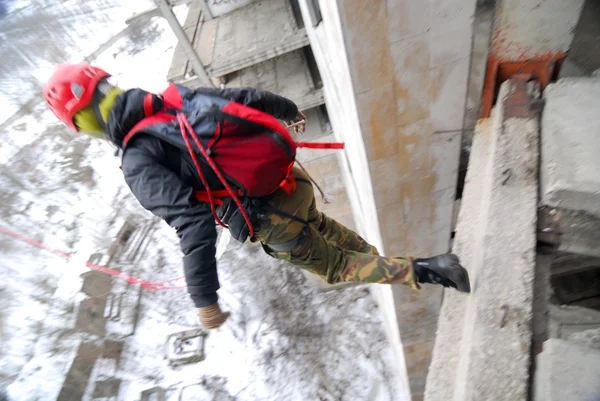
{"type": "Point", "coordinates": [172, 103]}
{"type": "Point", "coordinates": [158, 118]}
{"type": "Point", "coordinates": [217, 196]}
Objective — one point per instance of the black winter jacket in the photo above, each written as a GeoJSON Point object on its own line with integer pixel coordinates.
{"type": "Point", "coordinates": [163, 179]}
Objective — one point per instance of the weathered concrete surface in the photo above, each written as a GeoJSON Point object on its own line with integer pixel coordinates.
{"type": "Point", "coordinates": [567, 371]}
{"type": "Point", "coordinates": [580, 233]}
{"type": "Point", "coordinates": [327, 41]}
{"type": "Point", "coordinates": [588, 338]}
{"type": "Point", "coordinates": [565, 321]}
{"type": "Point", "coordinates": [255, 33]}
{"type": "Point", "coordinates": [395, 74]}
{"type": "Point", "coordinates": [445, 363]}
{"type": "Point", "coordinates": [247, 36]}
{"type": "Point", "coordinates": [482, 345]}
{"type": "Point", "coordinates": [576, 287]}
{"type": "Point", "coordinates": [566, 264]}
{"type": "Point", "coordinates": [218, 8]}
{"type": "Point", "coordinates": [571, 145]}
{"type": "Point", "coordinates": [527, 28]}
{"type": "Point", "coordinates": [286, 75]}
{"type": "Point", "coordinates": [584, 53]}
{"type": "Point", "coordinates": [571, 231]}
{"type": "Point", "coordinates": [317, 125]}
{"type": "Point", "coordinates": [482, 28]}
{"type": "Point", "coordinates": [541, 299]}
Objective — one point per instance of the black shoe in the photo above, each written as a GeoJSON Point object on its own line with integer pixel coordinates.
{"type": "Point", "coordinates": [444, 270]}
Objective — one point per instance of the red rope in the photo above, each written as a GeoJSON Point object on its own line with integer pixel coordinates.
{"type": "Point", "coordinates": [149, 285]}
{"type": "Point", "coordinates": [211, 200]}
{"type": "Point", "coordinates": [185, 125]}
{"type": "Point", "coordinates": [34, 243]}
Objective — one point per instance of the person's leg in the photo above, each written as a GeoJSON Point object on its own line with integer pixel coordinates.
{"type": "Point", "coordinates": [302, 204]}
{"type": "Point", "coordinates": [305, 246]}
{"type": "Point", "coordinates": [276, 228]}
{"type": "Point", "coordinates": [312, 252]}
{"type": "Point", "coordinates": [337, 233]}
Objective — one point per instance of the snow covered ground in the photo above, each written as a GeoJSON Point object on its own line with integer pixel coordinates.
{"type": "Point", "coordinates": [285, 340]}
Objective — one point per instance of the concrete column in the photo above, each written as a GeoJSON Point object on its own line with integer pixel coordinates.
{"type": "Point", "coordinates": [395, 79]}
{"type": "Point", "coordinates": [482, 349]}
{"type": "Point", "coordinates": [409, 63]}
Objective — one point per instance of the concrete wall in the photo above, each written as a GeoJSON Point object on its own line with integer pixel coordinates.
{"type": "Point", "coordinates": [286, 75]}
{"type": "Point", "coordinates": [527, 28]}
{"type": "Point", "coordinates": [253, 34]}
{"type": "Point", "coordinates": [327, 43]}
{"type": "Point", "coordinates": [395, 77]}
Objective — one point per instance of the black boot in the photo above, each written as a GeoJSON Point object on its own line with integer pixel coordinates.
{"type": "Point", "coordinates": [444, 270]}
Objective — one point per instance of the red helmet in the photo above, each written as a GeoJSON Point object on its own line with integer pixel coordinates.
{"type": "Point", "coordinates": [71, 89]}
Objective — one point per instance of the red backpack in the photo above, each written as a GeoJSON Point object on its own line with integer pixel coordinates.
{"type": "Point", "coordinates": [250, 152]}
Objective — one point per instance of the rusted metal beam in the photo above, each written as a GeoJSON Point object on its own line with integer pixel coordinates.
{"type": "Point", "coordinates": [529, 37]}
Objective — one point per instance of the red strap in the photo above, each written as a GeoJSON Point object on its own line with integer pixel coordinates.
{"type": "Point", "coordinates": [202, 196]}
{"type": "Point", "coordinates": [148, 108]}
{"type": "Point", "coordinates": [217, 196]}
{"type": "Point", "coordinates": [321, 145]}
{"type": "Point", "coordinates": [146, 122]}
{"type": "Point", "coordinates": [289, 184]}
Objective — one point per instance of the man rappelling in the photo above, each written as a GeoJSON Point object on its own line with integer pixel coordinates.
{"type": "Point", "coordinates": [196, 157]}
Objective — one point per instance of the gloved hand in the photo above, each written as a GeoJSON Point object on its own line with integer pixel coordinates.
{"type": "Point", "coordinates": [298, 124]}
{"type": "Point", "coordinates": [211, 316]}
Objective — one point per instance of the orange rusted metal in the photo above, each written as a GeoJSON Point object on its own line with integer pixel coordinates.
{"type": "Point", "coordinates": [543, 68]}
{"type": "Point", "coordinates": [518, 103]}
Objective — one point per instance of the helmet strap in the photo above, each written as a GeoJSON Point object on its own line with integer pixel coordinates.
{"type": "Point", "coordinates": [99, 94]}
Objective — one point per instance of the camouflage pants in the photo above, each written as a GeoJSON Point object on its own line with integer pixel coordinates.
{"type": "Point", "coordinates": [324, 246]}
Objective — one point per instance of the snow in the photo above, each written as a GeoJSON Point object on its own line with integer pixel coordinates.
{"type": "Point", "coordinates": [285, 340]}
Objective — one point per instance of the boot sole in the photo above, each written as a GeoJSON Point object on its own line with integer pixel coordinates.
{"type": "Point", "coordinates": [460, 276]}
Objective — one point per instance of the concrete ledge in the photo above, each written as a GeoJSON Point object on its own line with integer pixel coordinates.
{"type": "Point", "coordinates": [252, 34]}
{"type": "Point", "coordinates": [310, 100]}
{"type": "Point", "coordinates": [483, 340]}
{"type": "Point", "coordinates": [588, 338]}
{"type": "Point", "coordinates": [267, 52]}
{"type": "Point", "coordinates": [570, 231]}
{"type": "Point", "coordinates": [287, 75]}
{"type": "Point", "coordinates": [257, 32]}
{"type": "Point", "coordinates": [570, 160]}
{"type": "Point", "coordinates": [567, 371]}
{"type": "Point", "coordinates": [566, 321]}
